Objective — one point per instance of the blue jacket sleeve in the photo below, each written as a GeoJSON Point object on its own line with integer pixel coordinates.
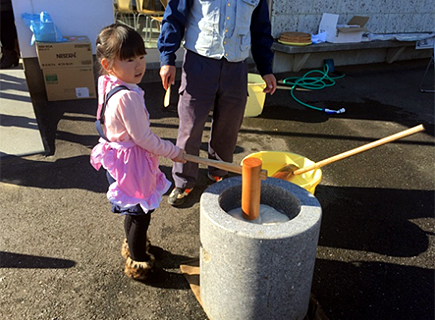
{"type": "Point", "coordinates": [261, 38]}
{"type": "Point", "coordinates": [172, 31]}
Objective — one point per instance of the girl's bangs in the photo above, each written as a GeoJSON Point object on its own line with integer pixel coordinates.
{"type": "Point", "coordinates": [132, 46]}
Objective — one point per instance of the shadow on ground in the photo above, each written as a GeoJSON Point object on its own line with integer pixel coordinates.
{"type": "Point", "coordinates": [28, 261]}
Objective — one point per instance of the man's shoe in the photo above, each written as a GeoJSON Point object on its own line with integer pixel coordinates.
{"type": "Point", "coordinates": [9, 59]}
{"type": "Point", "coordinates": [214, 178]}
{"type": "Point", "coordinates": [178, 196]}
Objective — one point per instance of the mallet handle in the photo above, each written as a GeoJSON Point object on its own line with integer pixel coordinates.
{"type": "Point", "coordinates": [360, 149]}
{"type": "Point", "coordinates": [227, 166]}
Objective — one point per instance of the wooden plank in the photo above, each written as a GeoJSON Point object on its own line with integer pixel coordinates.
{"type": "Point", "coordinates": [327, 47]}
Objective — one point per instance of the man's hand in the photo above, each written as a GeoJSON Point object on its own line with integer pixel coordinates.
{"type": "Point", "coordinates": [270, 83]}
{"type": "Point", "coordinates": [167, 73]}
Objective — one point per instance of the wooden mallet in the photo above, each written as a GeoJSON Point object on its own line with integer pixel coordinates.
{"type": "Point", "coordinates": [251, 188]}
{"type": "Point", "coordinates": [288, 172]}
{"type": "Point", "coordinates": [252, 174]}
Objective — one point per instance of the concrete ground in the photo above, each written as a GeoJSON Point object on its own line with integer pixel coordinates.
{"type": "Point", "coordinates": [60, 244]}
{"type": "Point", "coordinates": [17, 116]}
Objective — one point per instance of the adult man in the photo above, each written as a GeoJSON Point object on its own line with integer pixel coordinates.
{"type": "Point", "coordinates": [218, 35]}
{"type": "Point", "coordinates": [8, 36]}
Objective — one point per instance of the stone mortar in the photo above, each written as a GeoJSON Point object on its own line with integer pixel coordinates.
{"type": "Point", "coordinates": [252, 271]}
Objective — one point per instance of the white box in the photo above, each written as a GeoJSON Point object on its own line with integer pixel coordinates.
{"type": "Point", "coordinates": [350, 32]}
{"type": "Point", "coordinates": [425, 44]}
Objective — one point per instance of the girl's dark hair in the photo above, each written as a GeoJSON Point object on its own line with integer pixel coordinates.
{"type": "Point", "coordinates": [118, 41]}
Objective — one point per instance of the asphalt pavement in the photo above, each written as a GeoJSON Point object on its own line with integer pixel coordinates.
{"type": "Point", "coordinates": [60, 244]}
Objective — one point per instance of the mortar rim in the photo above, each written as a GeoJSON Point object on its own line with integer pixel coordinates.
{"type": "Point", "coordinates": [308, 216]}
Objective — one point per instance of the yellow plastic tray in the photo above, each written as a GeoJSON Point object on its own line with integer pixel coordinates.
{"type": "Point", "coordinates": [274, 160]}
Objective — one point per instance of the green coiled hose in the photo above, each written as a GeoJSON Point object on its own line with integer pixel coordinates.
{"type": "Point", "coordinates": [308, 81]}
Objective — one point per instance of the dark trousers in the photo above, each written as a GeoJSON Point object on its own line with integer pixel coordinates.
{"type": "Point", "coordinates": [209, 84]}
{"type": "Point", "coordinates": [136, 223]}
{"type": "Point", "coordinates": [8, 32]}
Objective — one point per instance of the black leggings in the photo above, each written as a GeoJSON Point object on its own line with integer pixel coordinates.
{"type": "Point", "coordinates": [136, 227]}
{"type": "Point", "coordinates": [136, 223]}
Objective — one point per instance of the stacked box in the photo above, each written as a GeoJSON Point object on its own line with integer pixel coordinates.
{"type": "Point", "coordinates": [67, 68]}
{"type": "Point", "coordinates": [350, 32]}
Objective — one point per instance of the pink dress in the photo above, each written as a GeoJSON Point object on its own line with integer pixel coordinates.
{"type": "Point", "coordinates": [131, 156]}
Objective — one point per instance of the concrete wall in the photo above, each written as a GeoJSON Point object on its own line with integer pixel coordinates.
{"type": "Point", "coordinates": [386, 16]}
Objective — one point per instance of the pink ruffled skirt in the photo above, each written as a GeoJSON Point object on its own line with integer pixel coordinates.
{"type": "Point", "coordinates": [139, 180]}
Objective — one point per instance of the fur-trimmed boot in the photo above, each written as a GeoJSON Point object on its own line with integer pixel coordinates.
{"type": "Point", "coordinates": [138, 270]}
{"type": "Point", "coordinates": [125, 251]}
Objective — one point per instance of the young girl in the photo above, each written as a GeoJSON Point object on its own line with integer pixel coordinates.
{"type": "Point", "coordinates": [127, 149]}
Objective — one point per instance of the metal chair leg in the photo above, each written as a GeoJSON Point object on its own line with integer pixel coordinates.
{"type": "Point", "coordinates": [431, 62]}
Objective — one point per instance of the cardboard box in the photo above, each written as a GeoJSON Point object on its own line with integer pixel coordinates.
{"type": "Point", "coordinates": [76, 52]}
{"type": "Point", "coordinates": [69, 83]}
{"type": "Point", "coordinates": [425, 43]}
{"type": "Point", "coordinates": [350, 32]}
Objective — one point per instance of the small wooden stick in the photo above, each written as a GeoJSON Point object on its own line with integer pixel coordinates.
{"type": "Point", "coordinates": [167, 100]}
{"type": "Point", "coordinates": [251, 188]}
{"type": "Point", "coordinates": [279, 87]}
